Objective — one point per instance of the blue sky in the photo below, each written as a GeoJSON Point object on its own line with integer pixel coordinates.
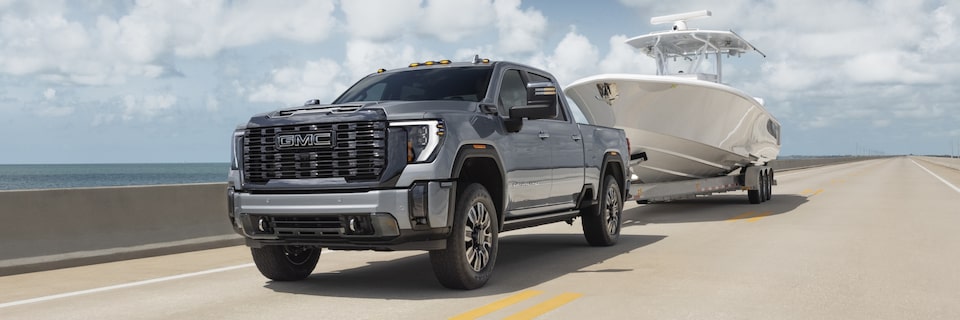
{"type": "Point", "coordinates": [167, 81]}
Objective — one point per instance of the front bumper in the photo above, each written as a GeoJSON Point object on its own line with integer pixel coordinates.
{"type": "Point", "coordinates": [416, 218]}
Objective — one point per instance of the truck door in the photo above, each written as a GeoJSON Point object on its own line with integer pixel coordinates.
{"type": "Point", "coordinates": [525, 154]}
{"type": "Point", "coordinates": [566, 152]}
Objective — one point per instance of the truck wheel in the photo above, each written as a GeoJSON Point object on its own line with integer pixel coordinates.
{"type": "Point", "coordinates": [601, 222]}
{"type": "Point", "coordinates": [286, 263]}
{"type": "Point", "coordinates": [471, 252]}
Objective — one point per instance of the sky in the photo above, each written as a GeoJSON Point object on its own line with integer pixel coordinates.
{"type": "Point", "coordinates": [169, 80]}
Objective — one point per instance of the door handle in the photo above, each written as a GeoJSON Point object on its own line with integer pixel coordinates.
{"type": "Point", "coordinates": [543, 135]}
{"type": "Point", "coordinates": [576, 137]}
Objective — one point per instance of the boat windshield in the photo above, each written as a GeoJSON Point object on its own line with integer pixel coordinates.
{"type": "Point", "coordinates": [691, 64]}
{"type": "Point", "coordinates": [446, 83]}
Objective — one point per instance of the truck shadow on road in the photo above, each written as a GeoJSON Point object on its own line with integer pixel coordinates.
{"type": "Point", "coordinates": [525, 260]}
{"type": "Point", "coordinates": [712, 208]}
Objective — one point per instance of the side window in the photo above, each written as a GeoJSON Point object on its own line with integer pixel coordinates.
{"type": "Point", "coordinates": [538, 78]}
{"type": "Point", "coordinates": [578, 115]}
{"type": "Point", "coordinates": [513, 92]}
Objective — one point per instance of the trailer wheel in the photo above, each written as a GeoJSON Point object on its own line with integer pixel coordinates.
{"type": "Point", "coordinates": [601, 222]}
{"type": "Point", "coordinates": [468, 260]}
{"type": "Point", "coordinates": [769, 190]}
{"type": "Point", "coordinates": [757, 195]}
{"type": "Point", "coordinates": [763, 185]}
{"type": "Point", "coordinates": [286, 263]}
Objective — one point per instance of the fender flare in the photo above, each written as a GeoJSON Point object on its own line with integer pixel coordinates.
{"type": "Point", "coordinates": [470, 151]}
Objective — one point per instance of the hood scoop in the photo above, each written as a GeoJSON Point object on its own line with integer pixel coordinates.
{"type": "Point", "coordinates": [315, 108]}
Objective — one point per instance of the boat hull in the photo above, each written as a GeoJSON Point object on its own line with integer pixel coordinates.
{"type": "Point", "coordinates": [687, 128]}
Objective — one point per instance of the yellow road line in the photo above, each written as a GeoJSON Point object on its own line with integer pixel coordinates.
{"type": "Point", "coordinates": [806, 191]}
{"type": "Point", "coordinates": [497, 305]}
{"type": "Point", "coordinates": [545, 306]}
{"type": "Point", "coordinates": [760, 216]}
{"type": "Point", "coordinates": [816, 192]}
{"type": "Point", "coordinates": [742, 216]}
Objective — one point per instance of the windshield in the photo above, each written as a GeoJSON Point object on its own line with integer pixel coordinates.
{"type": "Point", "coordinates": [455, 83]}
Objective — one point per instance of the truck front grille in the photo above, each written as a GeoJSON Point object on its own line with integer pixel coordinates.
{"type": "Point", "coordinates": [351, 150]}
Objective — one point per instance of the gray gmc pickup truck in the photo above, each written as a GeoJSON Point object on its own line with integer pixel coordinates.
{"type": "Point", "coordinates": [438, 156]}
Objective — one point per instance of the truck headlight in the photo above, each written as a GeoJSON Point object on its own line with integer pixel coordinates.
{"type": "Point", "coordinates": [235, 152]}
{"type": "Point", "coordinates": [423, 137]}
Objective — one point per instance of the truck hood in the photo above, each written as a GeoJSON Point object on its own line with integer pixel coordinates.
{"type": "Point", "coordinates": [362, 111]}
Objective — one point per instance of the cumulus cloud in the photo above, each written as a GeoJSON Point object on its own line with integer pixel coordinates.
{"type": "Point", "coordinates": [294, 85]}
{"type": "Point", "coordinates": [624, 58]}
{"type": "Point", "coordinates": [452, 20]}
{"type": "Point", "coordinates": [146, 107]}
{"type": "Point", "coordinates": [573, 58]}
{"type": "Point", "coordinates": [380, 20]}
{"type": "Point", "coordinates": [520, 30]}
{"type": "Point", "coordinates": [364, 57]}
{"type": "Point", "coordinates": [43, 39]}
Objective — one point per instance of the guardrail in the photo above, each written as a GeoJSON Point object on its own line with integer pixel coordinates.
{"type": "Point", "coordinates": [57, 228]}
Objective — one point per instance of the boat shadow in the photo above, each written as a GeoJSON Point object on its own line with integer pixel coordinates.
{"type": "Point", "coordinates": [525, 260]}
{"type": "Point", "coordinates": [712, 208]}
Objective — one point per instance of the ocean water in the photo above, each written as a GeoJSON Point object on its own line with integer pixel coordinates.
{"type": "Point", "coordinates": [55, 176]}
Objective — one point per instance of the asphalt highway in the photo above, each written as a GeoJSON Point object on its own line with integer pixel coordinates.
{"type": "Point", "coordinates": [877, 239]}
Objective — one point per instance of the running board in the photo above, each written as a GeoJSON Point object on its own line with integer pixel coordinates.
{"type": "Point", "coordinates": [526, 222]}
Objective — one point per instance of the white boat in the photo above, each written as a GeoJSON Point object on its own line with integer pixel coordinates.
{"type": "Point", "coordinates": [686, 122]}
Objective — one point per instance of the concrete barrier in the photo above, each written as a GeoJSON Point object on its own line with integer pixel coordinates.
{"type": "Point", "coordinates": [794, 164]}
{"type": "Point", "coordinates": [45, 229]}
{"type": "Point", "coordinates": [953, 163]}
{"type": "Point", "coordinates": [57, 228]}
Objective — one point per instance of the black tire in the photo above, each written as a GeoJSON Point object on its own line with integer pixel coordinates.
{"type": "Point", "coordinates": [286, 263]}
{"type": "Point", "coordinates": [769, 184]}
{"type": "Point", "coordinates": [756, 196]}
{"type": "Point", "coordinates": [763, 185]}
{"type": "Point", "coordinates": [601, 222]}
{"type": "Point", "coordinates": [467, 262]}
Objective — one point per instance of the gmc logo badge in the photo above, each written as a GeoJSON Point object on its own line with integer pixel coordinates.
{"type": "Point", "coordinates": [305, 140]}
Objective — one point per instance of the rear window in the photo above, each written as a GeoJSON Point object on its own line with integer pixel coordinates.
{"type": "Point", "coordinates": [454, 83]}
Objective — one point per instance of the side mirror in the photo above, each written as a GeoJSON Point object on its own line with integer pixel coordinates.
{"type": "Point", "coordinates": [541, 102]}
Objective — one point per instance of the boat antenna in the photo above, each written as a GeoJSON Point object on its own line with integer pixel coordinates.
{"type": "Point", "coordinates": [679, 20]}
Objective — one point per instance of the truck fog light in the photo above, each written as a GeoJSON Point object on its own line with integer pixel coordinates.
{"type": "Point", "coordinates": [357, 225]}
{"type": "Point", "coordinates": [263, 225]}
{"type": "Point", "coordinates": [418, 201]}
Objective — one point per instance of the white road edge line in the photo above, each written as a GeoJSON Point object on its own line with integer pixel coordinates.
{"type": "Point", "coordinates": [936, 176]}
{"type": "Point", "coordinates": [121, 286]}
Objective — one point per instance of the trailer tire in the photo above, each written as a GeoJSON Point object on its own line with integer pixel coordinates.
{"type": "Point", "coordinates": [753, 196]}
{"type": "Point", "coordinates": [471, 252]}
{"type": "Point", "coordinates": [601, 222]}
{"type": "Point", "coordinates": [286, 263]}
{"type": "Point", "coordinates": [763, 185]}
{"type": "Point", "coordinates": [769, 189]}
